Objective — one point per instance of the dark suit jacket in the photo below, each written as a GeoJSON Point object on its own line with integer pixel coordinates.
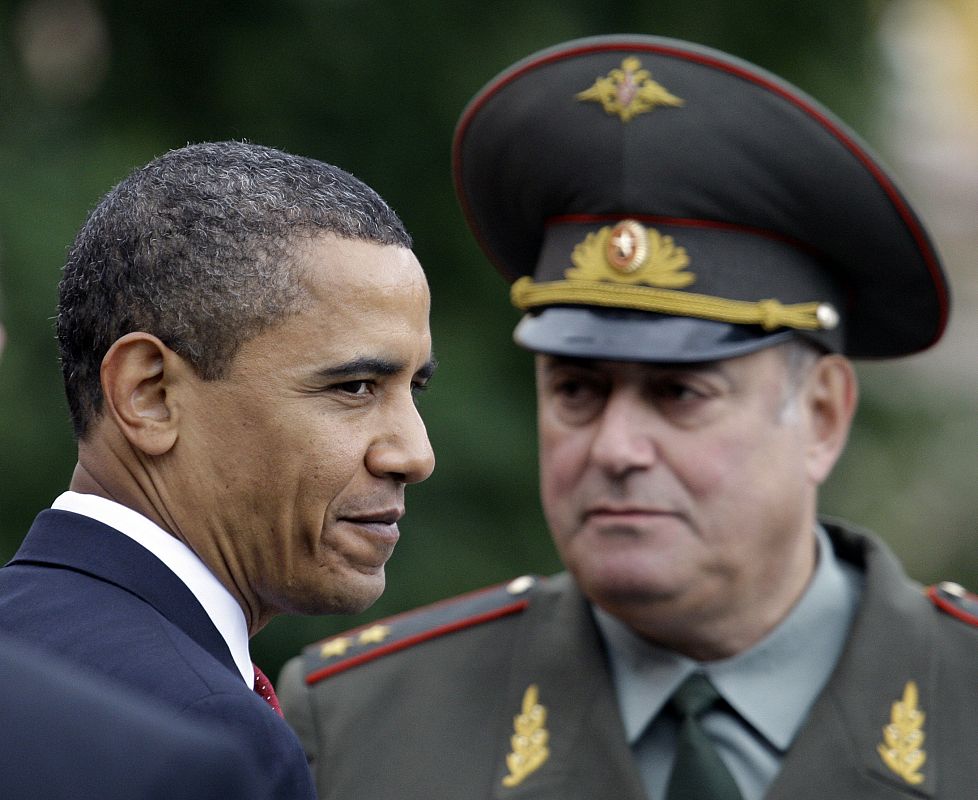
{"type": "Point", "coordinates": [70, 736]}
{"type": "Point", "coordinates": [432, 715]}
{"type": "Point", "coordinates": [99, 599]}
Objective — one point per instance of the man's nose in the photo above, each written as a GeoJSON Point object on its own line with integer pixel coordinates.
{"type": "Point", "coordinates": [624, 440]}
{"type": "Point", "coordinates": [404, 451]}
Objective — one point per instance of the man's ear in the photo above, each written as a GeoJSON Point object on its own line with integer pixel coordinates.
{"type": "Point", "coordinates": [138, 374]}
{"type": "Point", "coordinates": [831, 393]}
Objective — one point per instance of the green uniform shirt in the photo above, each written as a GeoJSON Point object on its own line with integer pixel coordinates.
{"type": "Point", "coordinates": [771, 686]}
{"type": "Point", "coordinates": [427, 705]}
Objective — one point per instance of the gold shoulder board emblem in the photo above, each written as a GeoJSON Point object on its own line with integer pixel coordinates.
{"type": "Point", "coordinates": [902, 748]}
{"type": "Point", "coordinates": [529, 739]}
{"type": "Point", "coordinates": [628, 91]}
{"type": "Point", "coordinates": [335, 647]}
{"type": "Point", "coordinates": [374, 634]}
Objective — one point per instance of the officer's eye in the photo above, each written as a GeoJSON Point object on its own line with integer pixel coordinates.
{"type": "Point", "coordinates": [678, 391]}
{"type": "Point", "coordinates": [570, 389]}
{"type": "Point", "coordinates": [577, 398]}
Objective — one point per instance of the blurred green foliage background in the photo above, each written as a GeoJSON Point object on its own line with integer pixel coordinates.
{"type": "Point", "coordinates": [90, 89]}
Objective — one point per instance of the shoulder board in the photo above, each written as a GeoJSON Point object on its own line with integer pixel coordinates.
{"type": "Point", "coordinates": [956, 601]}
{"type": "Point", "coordinates": [360, 645]}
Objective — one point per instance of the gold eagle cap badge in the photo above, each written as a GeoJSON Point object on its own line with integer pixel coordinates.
{"type": "Point", "coordinates": [628, 91]}
{"type": "Point", "coordinates": [902, 748]}
{"type": "Point", "coordinates": [529, 739]}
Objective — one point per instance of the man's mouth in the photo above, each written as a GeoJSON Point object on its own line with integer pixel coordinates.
{"type": "Point", "coordinates": [385, 517]}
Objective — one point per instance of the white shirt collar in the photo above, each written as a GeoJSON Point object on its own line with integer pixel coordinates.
{"type": "Point", "coordinates": [217, 601]}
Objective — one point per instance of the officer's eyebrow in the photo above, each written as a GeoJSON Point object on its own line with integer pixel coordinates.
{"type": "Point", "coordinates": [664, 367]}
{"type": "Point", "coordinates": [568, 361]}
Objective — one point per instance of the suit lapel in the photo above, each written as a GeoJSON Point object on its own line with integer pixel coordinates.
{"type": "Point", "coordinates": [68, 540]}
{"type": "Point", "coordinates": [560, 652]}
{"type": "Point", "coordinates": [836, 752]}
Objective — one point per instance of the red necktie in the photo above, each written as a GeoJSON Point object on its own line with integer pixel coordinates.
{"type": "Point", "coordinates": [264, 688]}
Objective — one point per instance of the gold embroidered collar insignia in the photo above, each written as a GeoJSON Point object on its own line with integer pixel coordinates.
{"type": "Point", "coordinates": [628, 91]}
{"type": "Point", "coordinates": [903, 739]}
{"type": "Point", "coordinates": [529, 739]}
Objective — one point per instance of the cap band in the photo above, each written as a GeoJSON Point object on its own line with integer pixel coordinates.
{"type": "Point", "coordinates": [631, 266]}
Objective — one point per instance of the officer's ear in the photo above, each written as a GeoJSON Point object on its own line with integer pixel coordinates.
{"type": "Point", "coordinates": [830, 394]}
{"type": "Point", "coordinates": [139, 374]}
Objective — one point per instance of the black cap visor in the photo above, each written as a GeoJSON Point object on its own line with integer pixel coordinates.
{"type": "Point", "coordinates": [621, 335]}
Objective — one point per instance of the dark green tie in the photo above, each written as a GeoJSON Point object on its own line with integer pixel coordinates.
{"type": "Point", "coordinates": [697, 773]}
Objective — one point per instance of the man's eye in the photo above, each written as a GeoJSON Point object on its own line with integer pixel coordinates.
{"type": "Point", "coordinates": [571, 389]}
{"type": "Point", "coordinates": [565, 387]}
{"type": "Point", "coordinates": [678, 391]}
{"type": "Point", "coordinates": [578, 398]}
{"type": "Point", "coordinates": [580, 386]}
{"type": "Point", "coordinates": [358, 388]}
{"type": "Point", "coordinates": [681, 393]}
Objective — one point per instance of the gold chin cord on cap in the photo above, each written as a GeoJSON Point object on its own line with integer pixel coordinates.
{"type": "Point", "coordinates": [769, 314]}
{"type": "Point", "coordinates": [631, 266]}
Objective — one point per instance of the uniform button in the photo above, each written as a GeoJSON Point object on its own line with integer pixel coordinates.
{"type": "Point", "coordinates": [521, 584]}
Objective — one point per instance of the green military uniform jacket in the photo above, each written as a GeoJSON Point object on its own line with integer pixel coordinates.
{"type": "Point", "coordinates": [426, 705]}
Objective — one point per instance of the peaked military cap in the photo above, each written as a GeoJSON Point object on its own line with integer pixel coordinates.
{"type": "Point", "coordinates": [654, 200]}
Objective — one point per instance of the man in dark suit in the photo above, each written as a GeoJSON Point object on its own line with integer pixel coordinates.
{"type": "Point", "coordinates": [242, 335]}
{"type": "Point", "coordinates": [70, 735]}
{"type": "Point", "coordinates": [699, 248]}
{"type": "Point", "coordinates": [74, 736]}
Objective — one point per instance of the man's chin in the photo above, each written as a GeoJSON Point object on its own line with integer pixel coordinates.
{"type": "Point", "coordinates": [353, 594]}
{"type": "Point", "coordinates": [360, 602]}
{"type": "Point", "coordinates": [624, 584]}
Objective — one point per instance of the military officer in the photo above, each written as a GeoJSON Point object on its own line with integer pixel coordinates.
{"type": "Point", "coordinates": [699, 250]}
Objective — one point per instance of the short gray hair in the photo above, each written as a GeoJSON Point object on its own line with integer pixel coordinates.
{"type": "Point", "coordinates": [197, 249]}
{"type": "Point", "coordinates": [799, 356]}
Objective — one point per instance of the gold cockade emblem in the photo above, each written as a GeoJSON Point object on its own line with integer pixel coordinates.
{"type": "Point", "coordinates": [631, 253]}
{"type": "Point", "coordinates": [529, 739]}
{"type": "Point", "coordinates": [629, 91]}
{"type": "Point", "coordinates": [902, 748]}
